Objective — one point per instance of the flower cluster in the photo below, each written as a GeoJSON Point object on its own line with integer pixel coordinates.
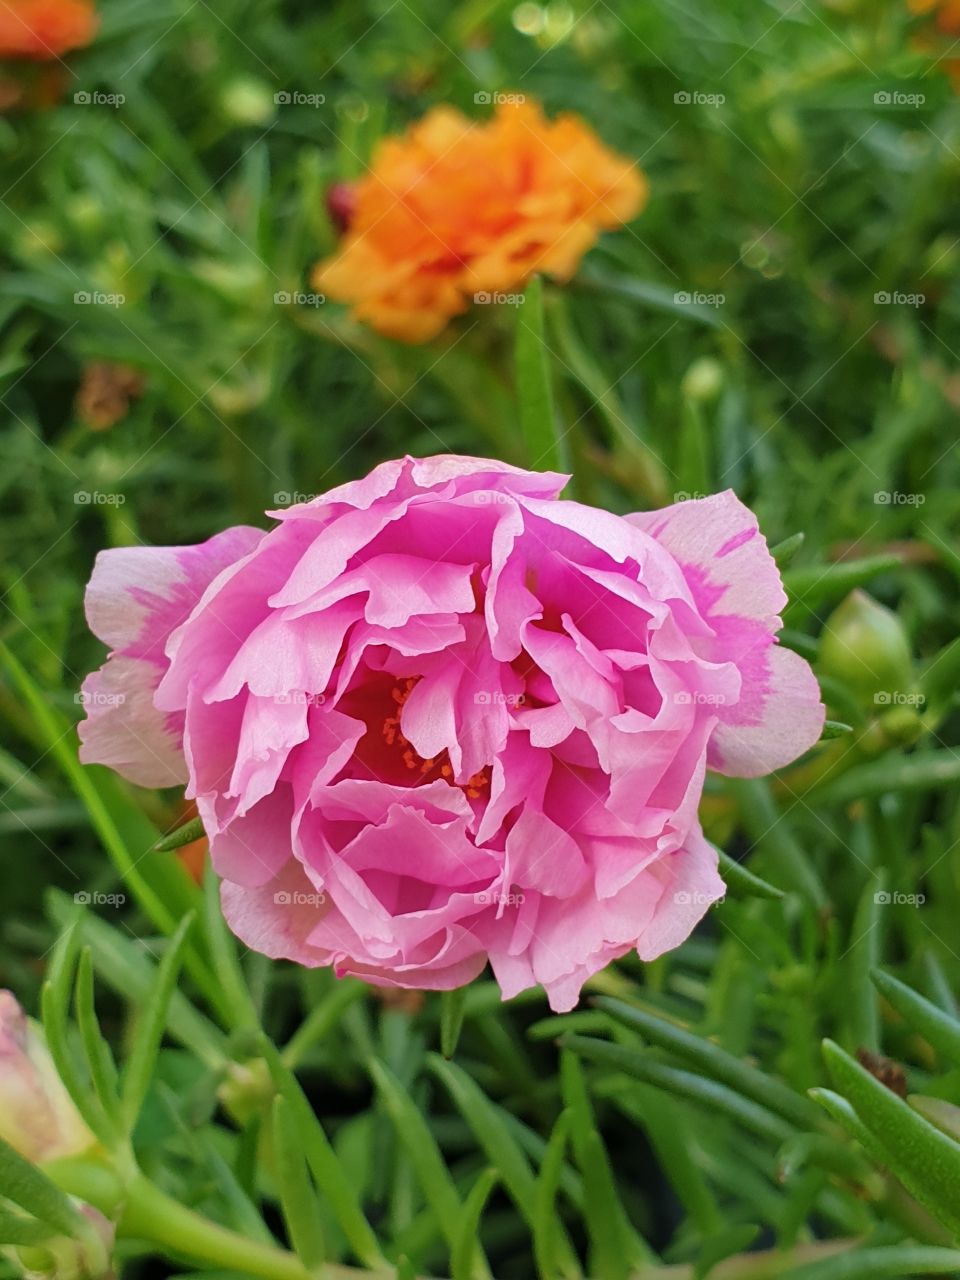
{"type": "Point", "coordinates": [441, 716]}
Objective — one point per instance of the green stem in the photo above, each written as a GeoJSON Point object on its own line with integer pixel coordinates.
{"type": "Point", "coordinates": [150, 1214]}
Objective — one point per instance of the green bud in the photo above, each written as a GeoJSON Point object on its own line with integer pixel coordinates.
{"type": "Point", "coordinates": [247, 101]}
{"type": "Point", "coordinates": [865, 647]}
{"type": "Point", "coordinates": [703, 380]}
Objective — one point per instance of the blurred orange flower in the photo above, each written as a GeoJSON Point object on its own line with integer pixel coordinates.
{"type": "Point", "coordinates": [946, 22]}
{"type": "Point", "coordinates": [43, 29]}
{"type": "Point", "coordinates": [454, 207]}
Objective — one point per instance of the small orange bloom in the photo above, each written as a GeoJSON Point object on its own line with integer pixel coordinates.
{"type": "Point", "coordinates": [43, 29]}
{"type": "Point", "coordinates": [454, 207]}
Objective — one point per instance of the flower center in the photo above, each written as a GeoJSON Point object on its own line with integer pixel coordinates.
{"type": "Point", "coordinates": [437, 766]}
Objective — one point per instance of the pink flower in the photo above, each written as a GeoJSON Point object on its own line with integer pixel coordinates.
{"type": "Point", "coordinates": [439, 716]}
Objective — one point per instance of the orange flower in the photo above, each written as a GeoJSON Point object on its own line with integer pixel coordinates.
{"type": "Point", "coordinates": [947, 11]}
{"type": "Point", "coordinates": [454, 207]}
{"type": "Point", "coordinates": [43, 29]}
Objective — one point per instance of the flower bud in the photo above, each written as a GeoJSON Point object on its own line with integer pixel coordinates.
{"type": "Point", "coordinates": [865, 647]}
{"type": "Point", "coordinates": [37, 1115]}
{"type": "Point", "coordinates": [341, 205]}
{"type": "Point", "coordinates": [64, 1258]}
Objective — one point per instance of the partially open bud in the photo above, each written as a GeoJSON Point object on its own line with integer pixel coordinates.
{"type": "Point", "coordinates": [37, 1116]}
{"type": "Point", "coordinates": [63, 1258]}
{"type": "Point", "coordinates": [865, 647]}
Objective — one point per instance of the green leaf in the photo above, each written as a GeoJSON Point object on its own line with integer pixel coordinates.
{"type": "Point", "coordinates": [835, 729]}
{"type": "Point", "coordinates": [545, 1239]}
{"type": "Point", "coordinates": [121, 964]}
{"type": "Point", "coordinates": [328, 1173]}
{"type": "Point", "coordinates": [223, 952]}
{"type": "Point", "coordinates": [813, 586]}
{"type": "Point", "coordinates": [15, 1229]}
{"type": "Point", "coordinates": [29, 1189]}
{"type": "Point", "coordinates": [925, 1160]}
{"type": "Point", "coordinates": [190, 831]}
{"type": "Point", "coordinates": [453, 1006]}
{"type": "Point", "coordinates": [538, 419]}
{"type": "Point", "coordinates": [742, 881]}
{"type": "Point", "coordinates": [159, 883]}
{"type": "Point", "coordinates": [940, 680]}
{"type": "Point", "coordinates": [715, 1062]}
{"type": "Point", "coordinates": [139, 1068]}
{"type": "Point", "coordinates": [322, 1018]}
{"type": "Point", "coordinates": [784, 551]}
{"type": "Point", "coordinates": [466, 1261]}
{"type": "Point", "coordinates": [894, 1261]}
{"type": "Point", "coordinates": [103, 1070]}
{"type": "Point", "coordinates": [921, 771]}
{"type": "Point", "coordinates": [724, 1244]}
{"type": "Point", "coordinates": [937, 1027]}
{"type": "Point", "coordinates": [497, 1140]}
{"type": "Point", "coordinates": [863, 1014]}
{"type": "Point", "coordinates": [614, 1246]}
{"type": "Point", "coordinates": [435, 1179]}
{"type": "Point", "coordinates": [716, 1098]}
{"type": "Point", "coordinates": [298, 1199]}
{"type": "Point", "coordinates": [767, 827]}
